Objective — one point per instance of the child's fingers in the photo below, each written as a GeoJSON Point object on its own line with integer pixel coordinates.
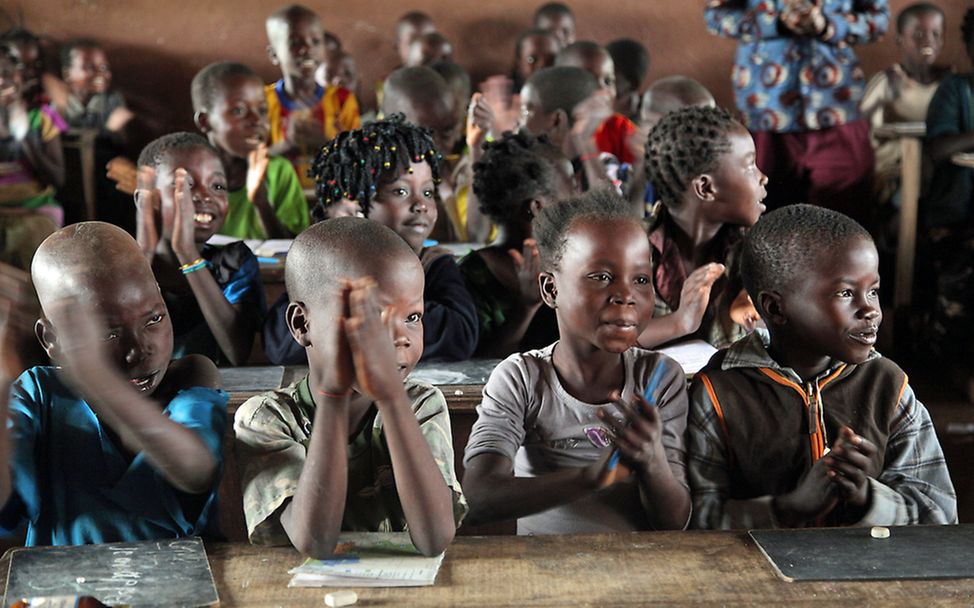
{"type": "Point", "coordinates": [146, 178]}
{"type": "Point", "coordinates": [518, 259]}
{"type": "Point", "coordinates": [846, 470]}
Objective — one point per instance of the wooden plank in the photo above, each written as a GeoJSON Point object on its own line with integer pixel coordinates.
{"type": "Point", "coordinates": [906, 245]}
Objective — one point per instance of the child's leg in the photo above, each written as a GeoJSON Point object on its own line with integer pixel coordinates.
{"type": "Point", "coordinates": [841, 167]}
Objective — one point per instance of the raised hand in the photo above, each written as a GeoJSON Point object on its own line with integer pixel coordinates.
{"type": "Point", "coordinates": [527, 264]}
{"type": "Point", "coordinates": [123, 172]}
{"type": "Point", "coordinates": [339, 376]}
{"type": "Point", "coordinates": [182, 230]}
{"type": "Point", "coordinates": [81, 351]}
{"type": "Point", "coordinates": [590, 114]}
{"type": "Point", "coordinates": [743, 312]}
{"type": "Point", "coordinates": [695, 295]}
{"type": "Point", "coordinates": [18, 313]}
{"type": "Point", "coordinates": [148, 210]}
{"type": "Point", "coordinates": [257, 161]}
{"type": "Point", "coordinates": [480, 122]}
{"type": "Point", "coordinates": [804, 17]}
{"type": "Point", "coordinates": [848, 464]}
{"type": "Point", "coordinates": [370, 337]}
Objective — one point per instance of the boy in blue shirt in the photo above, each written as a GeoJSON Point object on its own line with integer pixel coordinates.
{"type": "Point", "coordinates": [117, 442]}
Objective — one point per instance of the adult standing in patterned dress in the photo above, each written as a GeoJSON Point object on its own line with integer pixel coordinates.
{"type": "Point", "coordinates": [798, 84]}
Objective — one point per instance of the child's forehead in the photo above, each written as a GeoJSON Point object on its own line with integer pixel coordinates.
{"type": "Point", "coordinates": [88, 53]}
{"type": "Point", "coordinates": [201, 157]}
{"type": "Point", "coordinates": [238, 85]}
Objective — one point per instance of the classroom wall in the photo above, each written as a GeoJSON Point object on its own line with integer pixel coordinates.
{"type": "Point", "coordinates": [156, 46]}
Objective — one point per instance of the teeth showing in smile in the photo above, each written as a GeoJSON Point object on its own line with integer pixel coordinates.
{"type": "Point", "coordinates": [926, 51]}
{"type": "Point", "coordinates": [202, 218]}
{"type": "Point", "coordinates": [143, 383]}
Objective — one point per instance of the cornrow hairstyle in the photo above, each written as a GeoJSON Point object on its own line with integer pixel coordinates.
{"type": "Point", "coordinates": [208, 82]}
{"type": "Point", "coordinates": [71, 45]}
{"type": "Point", "coordinates": [512, 171]}
{"type": "Point", "coordinates": [967, 27]}
{"type": "Point", "coordinates": [785, 243]}
{"type": "Point", "coordinates": [685, 144]}
{"type": "Point", "coordinates": [155, 152]}
{"type": "Point", "coordinates": [553, 223]}
{"type": "Point", "coordinates": [357, 162]}
{"type": "Point", "coordinates": [914, 11]}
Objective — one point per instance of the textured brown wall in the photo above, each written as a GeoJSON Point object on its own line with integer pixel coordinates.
{"type": "Point", "coordinates": [156, 46]}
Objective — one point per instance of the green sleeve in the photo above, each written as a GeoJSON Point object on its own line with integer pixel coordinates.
{"type": "Point", "coordinates": [286, 196]}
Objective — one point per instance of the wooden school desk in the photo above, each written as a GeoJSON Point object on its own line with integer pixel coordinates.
{"type": "Point", "coordinates": [638, 569]}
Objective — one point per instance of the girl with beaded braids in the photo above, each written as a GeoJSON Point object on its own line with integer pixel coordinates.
{"type": "Point", "coordinates": [702, 163]}
{"type": "Point", "coordinates": [387, 171]}
{"type": "Point", "coordinates": [516, 176]}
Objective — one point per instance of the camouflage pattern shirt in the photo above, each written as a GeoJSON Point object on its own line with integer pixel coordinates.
{"type": "Point", "coordinates": [272, 434]}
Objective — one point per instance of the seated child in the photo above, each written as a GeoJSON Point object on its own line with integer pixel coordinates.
{"type": "Point", "coordinates": [139, 456]}
{"type": "Point", "coordinates": [91, 103]}
{"type": "Point", "coordinates": [303, 114]}
{"type": "Point", "coordinates": [806, 424]}
{"type": "Point", "coordinates": [426, 100]}
{"type": "Point", "coordinates": [214, 294]}
{"type": "Point", "coordinates": [517, 176]}
{"type": "Point", "coordinates": [662, 97]}
{"type": "Point", "coordinates": [616, 133]}
{"type": "Point", "coordinates": [355, 445]}
{"type": "Point", "coordinates": [31, 168]}
{"type": "Point", "coordinates": [701, 162]}
{"type": "Point", "coordinates": [264, 193]}
{"type": "Point", "coordinates": [557, 18]}
{"type": "Point", "coordinates": [902, 92]}
{"type": "Point", "coordinates": [631, 61]}
{"type": "Point", "coordinates": [555, 102]}
{"type": "Point", "coordinates": [542, 449]}
{"type": "Point", "coordinates": [408, 27]}
{"type": "Point", "coordinates": [428, 48]}
{"type": "Point", "coordinates": [390, 169]}
{"type": "Point", "coordinates": [535, 50]}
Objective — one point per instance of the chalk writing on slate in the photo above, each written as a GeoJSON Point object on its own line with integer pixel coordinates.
{"type": "Point", "coordinates": [148, 573]}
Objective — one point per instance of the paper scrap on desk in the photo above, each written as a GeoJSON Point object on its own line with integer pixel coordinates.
{"type": "Point", "coordinates": [369, 559]}
{"type": "Point", "coordinates": [272, 247]}
{"type": "Point", "coordinates": [692, 355]}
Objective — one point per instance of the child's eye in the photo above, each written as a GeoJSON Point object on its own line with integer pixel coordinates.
{"type": "Point", "coordinates": [845, 293]}
{"type": "Point", "coordinates": [220, 186]}
{"type": "Point", "coordinates": [414, 318]}
{"type": "Point", "coordinates": [111, 335]}
{"type": "Point", "coordinates": [400, 192]}
{"type": "Point", "coordinates": [642, 280]}
{"type": "Point", "coordinates": [428, 193]}
{"type": "Point", "coordinates": [874, 292]}
{"type": "Point", "coordinates": [600, 276]}
{"type": "Point", "coordinates": [154, 320]}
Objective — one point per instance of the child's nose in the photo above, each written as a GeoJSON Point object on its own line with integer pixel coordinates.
{"type": "Point", "coordinates": [622, 294]}
{"type": "Point", "coordinates": [420, 204]}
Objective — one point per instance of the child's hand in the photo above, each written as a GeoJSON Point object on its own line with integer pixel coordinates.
{"type": "Point", "coordinates": [605, 471]}
{"type": "Point", "coordinates": [814, 497]}
{"type": "Point", "coordinates": [370, 338]}
{"type": "Point", "coordinates": [590, 114]}
{"type": "Point", "coordinates": [480, 122]}
{"type": "Point", "coordinates": [743, 312]}
{"type": "Point", "coordinates": [18, 313]}
{"type": "Point", "coordinates": [147, 212]}
{"type": "Point", "coordinates": [183, 229]}
{"type": "Point", "coordinates": [804, 18]}
{"type": "Point", "coordinates": [81, 351]}
{"type": "Point", "coordinates": [306, 130]}
{"type": "Point", "coordinates": [848, 464]}
{"type": "Point", "coordinates": [339, 377]}
{"type": "Point", "coordinates": [695, 295]}
{"type": "Point", "coordinates": [638, 435]}
{"type": "Point", "coordinates": [117, 120]}
{"type": "Point", "coordinates": [257, 161]}
{"type": "Point", "coordinates": [527, 264]}
{"type": "Point", "coordinates": [122, 171]}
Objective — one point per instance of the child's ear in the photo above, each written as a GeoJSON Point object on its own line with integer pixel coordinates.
{"type": "Point", "coordinates": [272, 55]}
{"type": "Point", "coordinates": [770, 308]}
{"type": "Point", "coordinates": [202, 121]}
{"type": "Point", "coordinates": [298, 323]}
{"type": "Point", "coordinates": [47, 337]}
{"type": "Point", "coordinates": [703, 187]}
{"type": "Point", "coordinates": [549, 291]}
{"type": "Point", "coordinates": [533, 208]}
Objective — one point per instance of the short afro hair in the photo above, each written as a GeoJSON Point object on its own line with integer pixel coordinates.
{"type": "Point", "coordinates": [562, 88]}
{"type": "Point", "coordinates": [552, 9]}
{"type": "Point", "coordinates": [684, 144]}
{"type": "Point", "coordinates": [512, 171]}
{"type": "Point", "coordinates": [208, 82]}
{"type": "Point", "coordinates": [785, 243]}
{"type": "Point", "coordinates": [631, 60]}
{"type": "Point", "coordinates": [155, 152]}
{"type": "Point", "coordinates": [914, 11]}
{"type": "Point", "coordinates": [354, 164]}
{"type": "Point", "coordinates": [552, 225]}
{"type": "Point", "coordinates": [72, 45]}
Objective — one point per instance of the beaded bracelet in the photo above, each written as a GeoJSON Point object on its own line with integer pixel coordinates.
{"type": "Point", "coordinates": [198, 264]}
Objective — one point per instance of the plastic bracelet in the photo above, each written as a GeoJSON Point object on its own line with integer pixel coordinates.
{"type": "Point", "coordinates": [194, 267]}
{"type": "Point", "coordinates": [195, 262]}
{"type": "Point", "coordinates": [335, 395]}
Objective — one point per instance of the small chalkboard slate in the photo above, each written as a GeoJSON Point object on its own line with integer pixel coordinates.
{"type": "Point", "coordinates": [851, 554]}
{"type": "Point", "coordinates": [148, 573]}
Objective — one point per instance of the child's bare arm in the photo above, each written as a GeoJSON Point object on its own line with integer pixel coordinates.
{"type": "Point", "coordinates": [426, 499]}
{"type": "Point", "coordinates": [313, 517]}
{"type": "Point", "coordinates": [176, 452]}
{"type": "Point", "coordinates": [257, 163]}
{"type": "Point", "coordinates": [233, 325]}
{"type": "Point", "coordinates": [685, 320]}
{"type": "Point", "coordinates": [507, 338]}
{"type": "Point", "coordinates": [46, 157]}
{"type": "Point", "coordinates": [639, 438]}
